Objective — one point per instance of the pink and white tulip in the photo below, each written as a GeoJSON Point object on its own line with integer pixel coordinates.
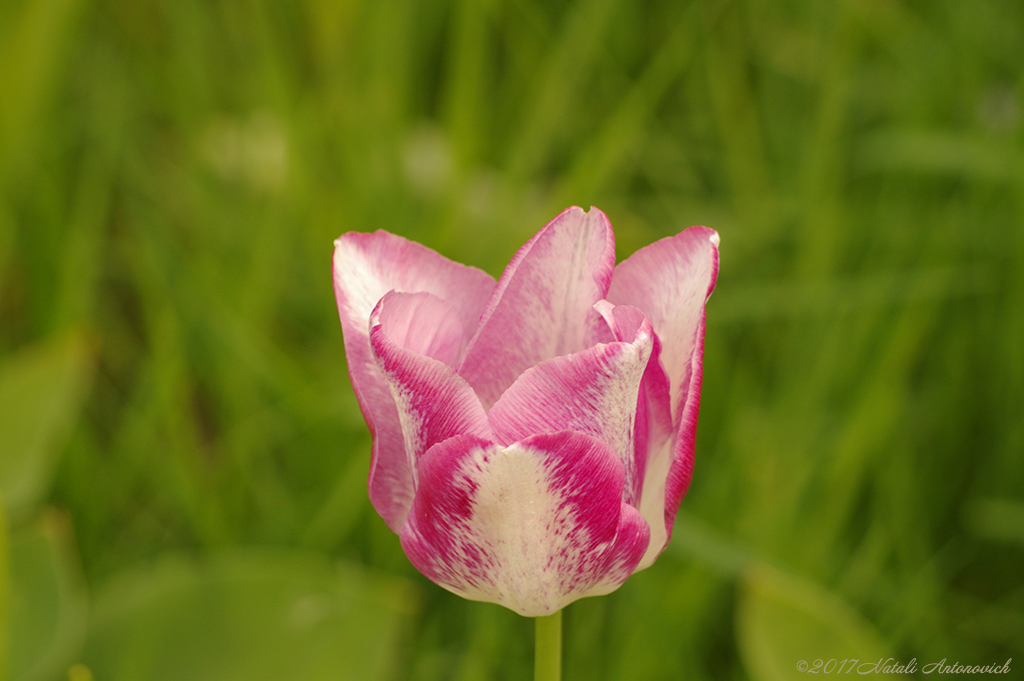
{"type": "Point", "coordinates": [532, 437]}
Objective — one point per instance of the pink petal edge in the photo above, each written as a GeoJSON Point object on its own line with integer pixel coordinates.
{"type": "Point", "coordinates": [670, 280]}
{"type": "Point", "coordinates": [653, 428]}
{"type": "Point", "coordinates": [433, 402]}
{"type": "Point", "coordinates": [679, 475]}
{"type": "Point", "coordinates": [365, 267]}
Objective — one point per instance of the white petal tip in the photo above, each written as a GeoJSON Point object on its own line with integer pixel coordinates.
{"type": "Point", "coordinates": [715, 239]}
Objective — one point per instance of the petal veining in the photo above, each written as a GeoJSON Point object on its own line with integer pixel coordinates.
{"type": "Point", "coordinates": [532, 526]}
{"type": "Point", "coordinates": [432, 401]}
{"type": "Point", "coordinates": [595, 392]}
{"type": "Point", "coordinates": [652, 431]}
{"type": "Point", "coordinates": [542, 306]}
{"type": "Point", "coordinates": [670, 280]}
{"type": "Point", "coordinates": [421, 323]}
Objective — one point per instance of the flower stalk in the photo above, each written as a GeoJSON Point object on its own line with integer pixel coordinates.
{"type": "Point", "coordinates": [547, 664]}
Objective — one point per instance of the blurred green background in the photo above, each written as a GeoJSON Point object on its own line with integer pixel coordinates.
{"type": "Point", "coordinates": [182, 461]}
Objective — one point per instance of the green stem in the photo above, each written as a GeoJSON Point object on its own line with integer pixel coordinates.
{"type": "Point", "coordinates": [547, 664]}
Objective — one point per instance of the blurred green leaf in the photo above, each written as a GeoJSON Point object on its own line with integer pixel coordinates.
{"type": "Point", "coordinates": [763, 300]}
{"type": "Point", "coordinates": [781, 620]}
{"type": "Point", "coordinates": [30, 52]}
{"type": "Point", "coordinates": [691, 537]}
{"type": "Point", "coordinates": [572, 55]}
{"type": "Point", "coordinates": [257, 614]}
{"type": "Point", "coordinates": [5, 593]}
{"type": "Point", "coordinates": [996, 519]}
{"type": "Point", "coordinates": [48, 602]}
{"type": "Point", "coordinates": [613, 149]}
{"type": "Point", "coordinates": [342, 508]}
{"type": "Point", "coordinates": [41, 390]}
{"type": "Point", "coordinates": [941, 153]}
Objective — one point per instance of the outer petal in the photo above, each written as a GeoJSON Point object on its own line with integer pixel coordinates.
{"type": "Point", "coordinates": [670, 280]}
{"type": "Point", "coordinates": [366, 266]}
{"type": "Point", "coordinates": [670, 467]}
{"type": "Point", "coordinates": [542, 305]}
{"type": "Point", "coordinates": [681, 470]}
{"type": "Point", "coordinates": [433, 402]}
{"type": "Point", "coordinates": [533, 526]}
{"type": "Point", "coordinates": [593, 392]}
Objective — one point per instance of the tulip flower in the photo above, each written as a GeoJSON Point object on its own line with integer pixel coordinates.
{"type": "Point", "coordinates": [532, 437]}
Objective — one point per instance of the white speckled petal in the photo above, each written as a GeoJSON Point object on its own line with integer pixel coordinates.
{"type": "Point", "coordinates": [533, 526]}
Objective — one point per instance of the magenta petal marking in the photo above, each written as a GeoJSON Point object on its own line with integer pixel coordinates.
{"type": "Point", "coordinates": [433, 402]}
{"type": "Point", "coordinates": [593, 392]}
{"type": "Point", "coordinates": [533, 526]}
{"type": "Point", "coordinates": [542, 306]}
{"type": "Point", "coordinates": [670, 280]}
{"type": "Point", "coordinates": [365, 267]}
{"type": "Point", "coordinates": [632, 537]}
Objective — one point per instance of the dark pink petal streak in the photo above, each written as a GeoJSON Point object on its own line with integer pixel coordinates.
{"type": "Point", "coordinates": [532, 526]}
{"type": "Point", "coordinates": [594, 392]}
{"type": "Point", "coordinates": [681, 470]}
{"type": "Point", "coordinates": [652, 430]}
{"type": "Point", "coordinates": [433, 402]}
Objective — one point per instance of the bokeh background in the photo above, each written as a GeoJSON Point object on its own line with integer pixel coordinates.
{"type": "Point", "coordinates": [182, 461]}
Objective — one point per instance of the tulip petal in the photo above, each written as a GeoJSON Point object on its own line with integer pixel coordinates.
{"type": "Point", "coordinates": [653, 426]}
{"type": "Point", "coordinates": [365, 267]}
{"type": "Point", "coordinates": [594, 392]}
{"type": "Point", "coordinates": [670, 467]}
{"type": "Point", "coordinates": [678, 480]}
{"type": "Point", "coordinates": [421, 323]}
{"type": "Point", "coordinates": [433, 402]}
{"type": "Point", "coordinates": [532, 526]}
{"type": "Point", "coordinates": [670, 280]}
{"type": "Point", "coordinates": [542, 306]}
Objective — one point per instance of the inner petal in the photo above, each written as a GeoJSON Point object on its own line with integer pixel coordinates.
{"type": "Point", "coordinates": [542, 306]}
